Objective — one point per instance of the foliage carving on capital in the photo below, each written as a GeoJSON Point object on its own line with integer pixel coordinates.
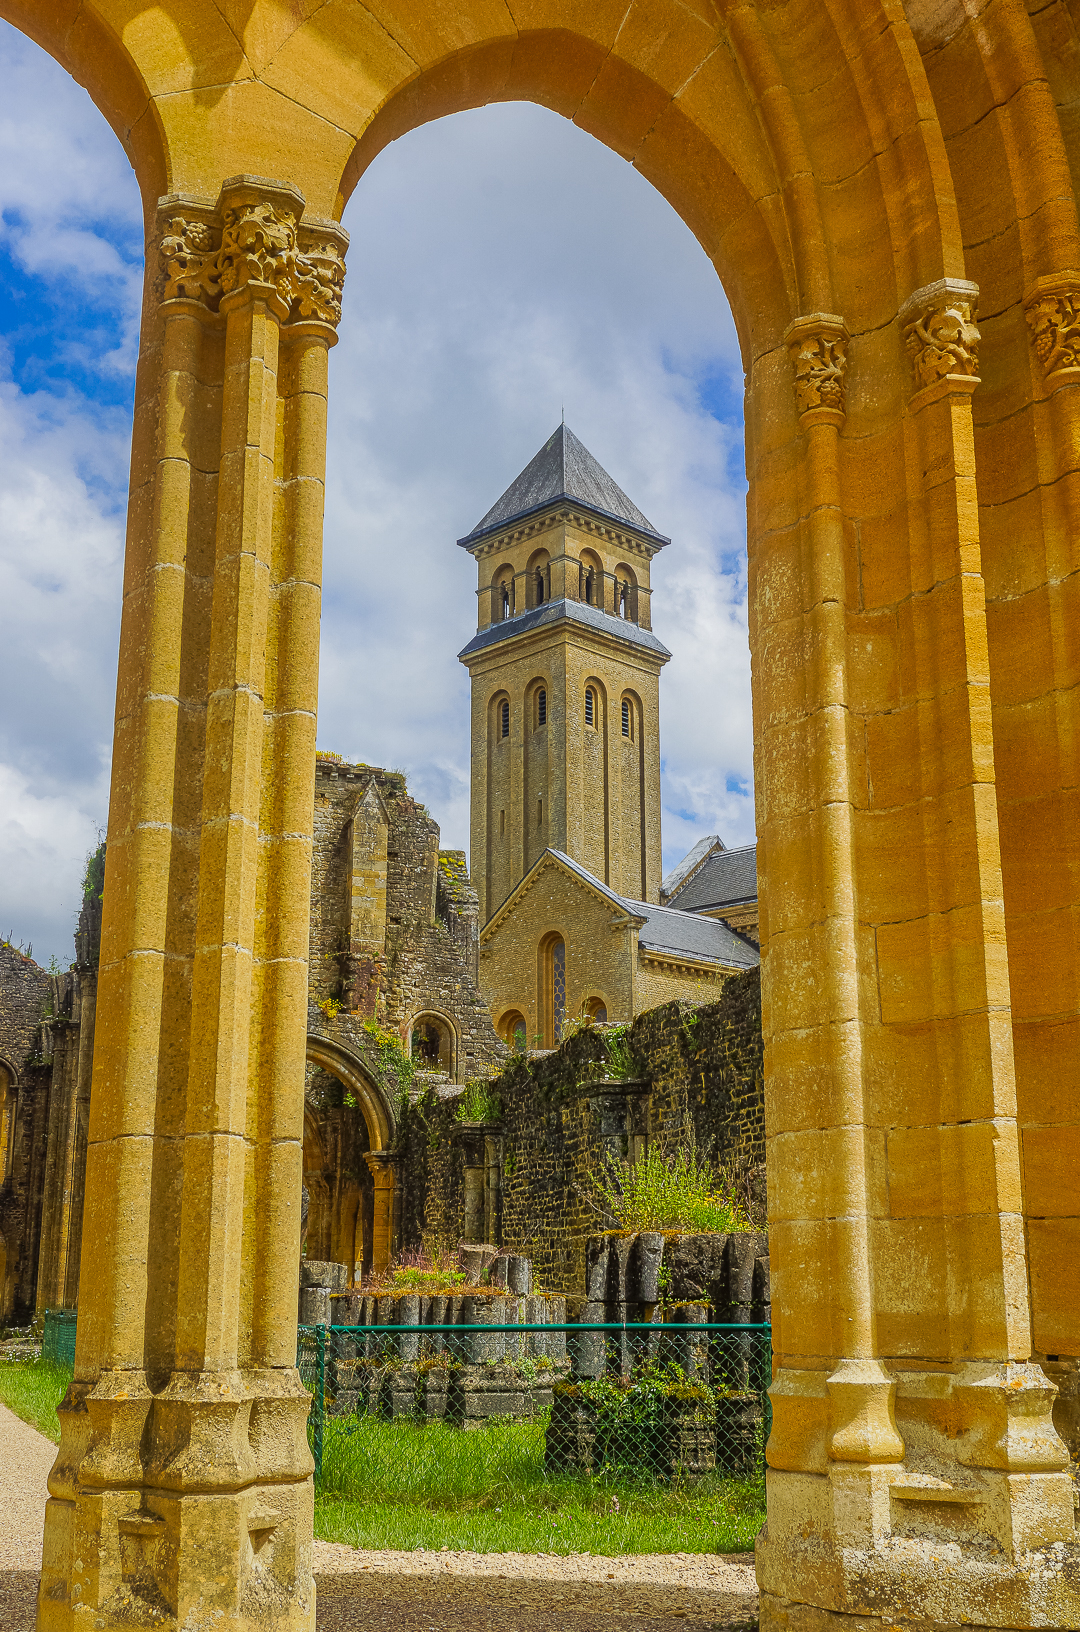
{"type": "Point", "coordinates": [942, 335]}
{"type": "Point", "coordinates": [1053, 316]}
{"type": "Point", "coordinates": [820, 365]}
{"type": "Point", "coordinates": [319, 281]}
{"type": "Point", "coordinates": [258, 244]}
{"type": "Point", "coordinates": [188, 255]}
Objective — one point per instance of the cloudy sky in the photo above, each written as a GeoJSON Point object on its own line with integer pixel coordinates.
{"type": "Point", "coordinates": [504, 266]}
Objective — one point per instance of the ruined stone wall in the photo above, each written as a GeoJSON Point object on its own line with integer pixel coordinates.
{"type": "Point", "coordinates": [692, 1066]}
{"type": "Point", "coordinates": [426, 957]}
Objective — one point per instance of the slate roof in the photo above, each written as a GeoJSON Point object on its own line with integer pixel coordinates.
{"type": "Point", "coordinates": [679, 874]}
{"type": "Point", "coordinates": [563, 469]}
{"type": "Point", "coordinates": [673, 931]}
{"type": "Point", "coordinates": [728, 876]}
{"type": "Point", "coordinates": [575, 612]}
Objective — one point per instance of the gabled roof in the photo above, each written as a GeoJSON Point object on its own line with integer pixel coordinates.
{"type": "Point", "coordinates": [727, 878]}
{"type": "Point", "coordinates": [665, 930]}
{"type": "Point", "coordinates": [563, 469]}
{"type": "Point", "coordinates": [689, 865]}
{"type": "Point", "coordinates": [573, 612]}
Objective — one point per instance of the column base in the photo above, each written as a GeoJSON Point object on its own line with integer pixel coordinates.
{"type": "Point", "coordinates": [188, 1510]}
{"type": "Point", "coordinates": [920, 1562]}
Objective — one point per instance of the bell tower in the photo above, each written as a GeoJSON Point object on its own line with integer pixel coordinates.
{"type": "Point", "coordinates": [565, 676]}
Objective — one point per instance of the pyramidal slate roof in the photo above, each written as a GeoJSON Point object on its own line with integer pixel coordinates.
{"type": "Point", "coordinates": [563, 469]}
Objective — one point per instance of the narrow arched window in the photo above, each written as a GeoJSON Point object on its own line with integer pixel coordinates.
{"type": "Point", "coordinates": [558, 989]}
{"type": "Point", "coordinates": [590, 588]}
{"type": "Point", "coordinates": [541, 707]}
{"type": "Point", "coordinates": [504, 718]}
{"type": "Point", "coordinates": [505, 601]}
{"type": "Point", "coordinates": [540, 596]}
{"type": "Point", "coordinates": [590, 706]}
{"type": "Point", "coordinates": [627, 719]}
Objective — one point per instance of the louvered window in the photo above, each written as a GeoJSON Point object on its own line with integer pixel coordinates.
{"type": "Point", "coordinates": [504, 717]}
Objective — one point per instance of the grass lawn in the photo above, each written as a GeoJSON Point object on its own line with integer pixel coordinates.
{"type": "Point", "coordinates": [405, 1485]}
{"type": "Point", "coordinates": [33, 1389]}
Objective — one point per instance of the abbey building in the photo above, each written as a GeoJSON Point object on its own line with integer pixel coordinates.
{"type": "Point", "coordinates": [565, 841]}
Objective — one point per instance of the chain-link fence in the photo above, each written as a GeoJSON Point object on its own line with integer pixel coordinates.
{"type": "Point", "coordinates": [678, 1403]}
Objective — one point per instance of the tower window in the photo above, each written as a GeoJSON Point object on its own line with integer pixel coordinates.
{"type": "Point", "coordinates": [627, 719]}
{"type": "Point", "coordinates": [541, 707]}
{"type": "Point", "coordinates": [504, 718]}
{"type": "Point", "coordinates": [590, 588]}
{"type": "Point", "coordinates": [540, 597]}
{"type": "Point", "coordinates": [590, 706]}
{"type": "Point", "coordinates": [539, 813]}
{"type": "Point", "coordinates": [502, 823]}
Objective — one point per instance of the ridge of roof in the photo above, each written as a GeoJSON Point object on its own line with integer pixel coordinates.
{"type": "Point", "coordinates": [563, 469]}
{"type": "Point", "coordinates": [575, 612]}
{"type": "Point", "coordinates": [685, 869]}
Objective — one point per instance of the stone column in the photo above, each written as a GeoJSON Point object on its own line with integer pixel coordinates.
{"type": "Point", "coordinates": [181, 1493]}
{"type": "Point", "coordinates": [908, 1420]}
{"type": "Point", "coordinates": [381, 1165]}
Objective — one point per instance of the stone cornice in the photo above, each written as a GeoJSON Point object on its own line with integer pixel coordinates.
{"type": "Point", "coordinates": [540, 637]}
{"type": "Point", "coordinates": [628, 541]}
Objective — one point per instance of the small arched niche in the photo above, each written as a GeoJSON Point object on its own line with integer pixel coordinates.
{"type": "Point", "coordinates": [591, 579]}
{"type": "Point", "coordinates": [513, 1030]}
{"type": "Point", "coordinates": [626, 593]}
{"type": "Point", "coordinates": [595, 1009]}
{"type": "Point", "coordinates": [502, 594]}
{"type": "Point", "coordinates": [432, 1043]}
{"type": "Point", "coordinates": [538, 578]}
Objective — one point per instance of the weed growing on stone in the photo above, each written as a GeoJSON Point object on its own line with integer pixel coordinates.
{"type": "Point", "coordinates": [479, 1103]}
{"type": "Point", "coordinates": [677, 1189]}
{"type": "Point", "coordinates": [33, 1389]}
{"type": "Point", "coordinates": [400, 1485]}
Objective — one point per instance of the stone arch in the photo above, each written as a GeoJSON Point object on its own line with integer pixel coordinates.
{"type": "Point", "coordinates": [349, 1070]}
{"type": "Point", "coordinates": [354, 1221]}
{"type": "Point", "coordinates": [9, 1078]}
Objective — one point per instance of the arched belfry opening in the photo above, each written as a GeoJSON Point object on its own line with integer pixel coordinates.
{"type": "Point", "coordinates": [867, 180]}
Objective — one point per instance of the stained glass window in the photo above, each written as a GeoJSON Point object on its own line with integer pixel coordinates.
{"type": "Point", "coordinates": [558, 988]}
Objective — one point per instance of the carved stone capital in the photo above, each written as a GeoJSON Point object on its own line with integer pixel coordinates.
{"type": "Point", "coordinates": [940, 329]}
{"type": "Point", "coordinates": [818, 347]}
{"type": "Point", "coordinates": [1052, 309]}
{"type": "Point", "coordinates": [252, 243]}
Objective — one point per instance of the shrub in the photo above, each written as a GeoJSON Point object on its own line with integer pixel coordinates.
{"type": "Point", "coordinates": [479, 1102]}
{"type": "Point", "coordinates": [676, 1190]}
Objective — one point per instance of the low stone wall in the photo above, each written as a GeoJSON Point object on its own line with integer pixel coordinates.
{"type": "Point", "coordinates": [521, 1178]}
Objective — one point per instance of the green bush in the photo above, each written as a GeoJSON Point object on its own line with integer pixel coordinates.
{"type": "Point", "coordinates": [679, 1190]}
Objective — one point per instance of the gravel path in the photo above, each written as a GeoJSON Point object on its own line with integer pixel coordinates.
{"type": "Point", "coordinates": [25, 1459]}
{"type": "Point", "coordinates": [425, 1592]}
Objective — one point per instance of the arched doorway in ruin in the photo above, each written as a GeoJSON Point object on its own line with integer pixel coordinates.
{"type": "Point", "coordinates": [349, 1171]}
{"type": "Point", "coordinates": [856, 172]}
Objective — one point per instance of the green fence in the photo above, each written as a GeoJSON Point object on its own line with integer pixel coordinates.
{"type": "Point", "coordinates": [58, 1340]}
{"type": "Point", "coordinates": [678, 1406]}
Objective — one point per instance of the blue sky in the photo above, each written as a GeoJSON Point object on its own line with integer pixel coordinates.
{"type": "Point", "coordinates": [503, 265]}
